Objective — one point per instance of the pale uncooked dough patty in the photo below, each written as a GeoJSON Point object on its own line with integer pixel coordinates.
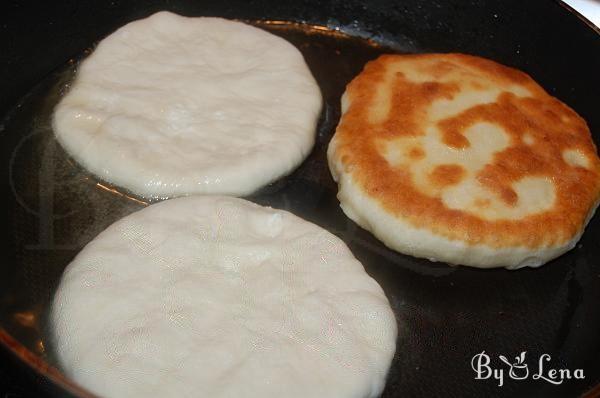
{"type": "Point", "coordinates": [219, 297]}
{"type": "Point", "coordinates": [169, 105]}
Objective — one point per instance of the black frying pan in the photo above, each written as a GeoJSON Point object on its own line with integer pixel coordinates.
{"type": "Point", "coordinates": [445, 315]}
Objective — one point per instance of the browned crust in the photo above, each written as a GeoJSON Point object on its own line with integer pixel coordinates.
{"type": "Point", "coordinates": [552, 124]}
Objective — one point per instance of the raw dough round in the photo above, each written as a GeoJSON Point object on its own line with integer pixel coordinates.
{"type": "Point", "coordinates": [219, 297]}
{"type": "Point", "coordinates": [169, 106]}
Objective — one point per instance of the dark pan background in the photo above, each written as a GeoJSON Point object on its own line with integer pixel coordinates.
{"type": "Point", "coordinates": [445, 315]}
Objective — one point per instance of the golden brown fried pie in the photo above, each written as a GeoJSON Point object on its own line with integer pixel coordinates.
{"type": "Point", "coordinates": [460, 159]}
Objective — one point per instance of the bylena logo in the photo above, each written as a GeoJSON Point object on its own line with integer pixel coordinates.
{"type": "Point", "coordinates": [519, 369]}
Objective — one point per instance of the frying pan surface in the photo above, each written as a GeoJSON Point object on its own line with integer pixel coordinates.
{"type": "Point", "coordinates": [445, 315]}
